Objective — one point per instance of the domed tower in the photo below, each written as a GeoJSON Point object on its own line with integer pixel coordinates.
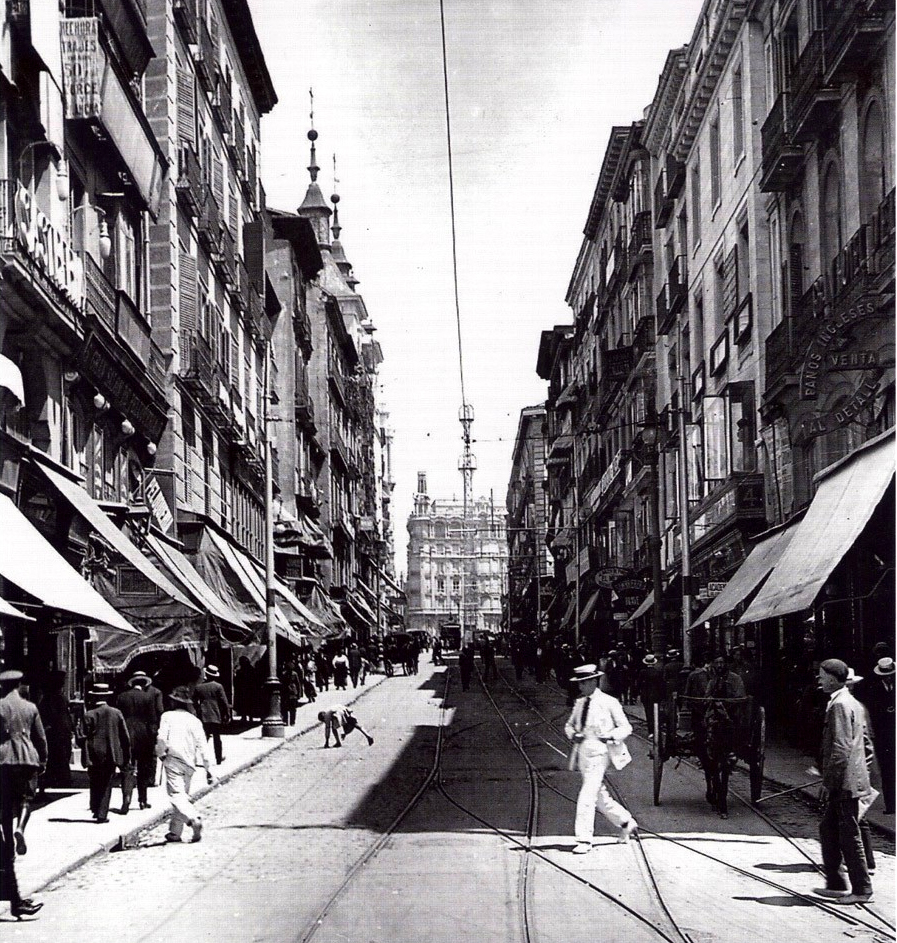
{"type": "Point", "coordinates": [314, 207]}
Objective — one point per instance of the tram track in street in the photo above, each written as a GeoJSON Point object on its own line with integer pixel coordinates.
{"type": "Point", "coordinates": [883, 928]}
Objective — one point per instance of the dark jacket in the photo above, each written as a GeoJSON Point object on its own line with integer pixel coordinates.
{"type": "Point", "coordinates": [22, 738]}
{"type": "Point", "coordinates": [140, 710]}
{"type": "Point", "coordinates": [107, 740]}
{"type": "Point", "coordinates": [651, 685]}
{"type": "Point", "coordinates": [211, 704]}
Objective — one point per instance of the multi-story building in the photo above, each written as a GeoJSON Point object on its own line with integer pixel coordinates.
{"type": "Point", "coordinates": [457, 564]}
{"type": "Point", "coordinates": [530, 568]}
{"type": "Point", "coordinates": [766, 409]}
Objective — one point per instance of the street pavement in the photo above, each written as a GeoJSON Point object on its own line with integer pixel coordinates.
{"type": "Point", "coordinates": [282, 836]}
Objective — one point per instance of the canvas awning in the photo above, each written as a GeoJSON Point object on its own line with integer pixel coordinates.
{"type": "Point", "coordinates": [590, 605]}
{"type": "Point", "coordinates": [30, 562]}
{"type": "Point", "coordinates": [203, 594]}
{"type": "Point", "coordinates": [11, 379]}
{"type": "Point", "coordinates": [645, 605]}
{"type": "Point", "coordinates": [9, 610]}
{"type": "Point", "coordinates": [845, 500]}
{"type": "Point", "coordinates": [753, 571]}
{"type": "Point", "coordinates": [85, 505]}
{"type": "Point", "coordinates": [301, 533]}
{"type": "Point", "coordinates": [326, 610]}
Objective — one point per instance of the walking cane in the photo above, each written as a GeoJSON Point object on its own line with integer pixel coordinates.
{"type": "Point", "coordinates": [785, 792]}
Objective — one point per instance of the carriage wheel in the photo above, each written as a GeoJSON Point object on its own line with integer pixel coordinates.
{"type": "Point", "coordinates": [758, 754]}
{"type": "Point", "coordinates": [659, 750]}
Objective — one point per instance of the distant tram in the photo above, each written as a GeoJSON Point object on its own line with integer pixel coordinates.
{"type": "Point", "coordinates": [450, 634]}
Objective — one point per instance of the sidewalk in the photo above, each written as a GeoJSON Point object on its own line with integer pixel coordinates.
{"type": "Point", "coordinates": [62, 834]}
{"type": "Point", "coordinates": [786, 767]}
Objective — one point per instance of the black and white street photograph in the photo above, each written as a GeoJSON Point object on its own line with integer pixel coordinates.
{"type": "Point", "coordinates": [447, 471]}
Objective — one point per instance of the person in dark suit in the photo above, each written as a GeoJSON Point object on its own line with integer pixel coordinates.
{"type": "Point", "coordinates": [140, 708]}
{"type": "Point", "coordinates": [58, 726]}
{"type": "Point", "coordinates": [878, 695]}
{"type": "Point", "coordinates": [212, 708]}
{"type": "Point", "coordinates": [23, 754]}
{"type": "Point", "coordinates": [107, 747]}
{"type": "Point", "coordinates": [651, 687]}
{"type": "Point", "coordinates": [845, 779]}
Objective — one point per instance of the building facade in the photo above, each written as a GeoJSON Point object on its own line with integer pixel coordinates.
{"type": "Point", "coordinates": [457, 565]}
{"type": "Point", "coordinates": [730, 363]}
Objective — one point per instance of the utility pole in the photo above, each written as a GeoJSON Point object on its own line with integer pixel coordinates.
{"type": "Point", "coordinates": [466, 465]}
{"type": "Point", "coordinates": [684, 527]}
{"type": "Point", "coordinates": [273, 723]}
{"type": "Point", "coordinates": [576, 537]}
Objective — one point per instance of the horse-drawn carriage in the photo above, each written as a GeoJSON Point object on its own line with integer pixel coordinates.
{"type": "Point", "coordinates": [716, 731]}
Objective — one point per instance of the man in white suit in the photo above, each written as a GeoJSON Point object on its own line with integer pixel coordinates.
{"type": "Point", "coordinates": [597, 726]}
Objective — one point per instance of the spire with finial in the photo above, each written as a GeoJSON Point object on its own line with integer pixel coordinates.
{"type": "Point", "coordinates": [314, 206]}
{"type": "Point", "coordinates": [336, 247]}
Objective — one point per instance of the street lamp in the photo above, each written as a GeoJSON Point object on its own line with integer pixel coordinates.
{"type": "Point", "coordinates": [651, 453]}
{"type": "Point", "coordinates": [105, 241]}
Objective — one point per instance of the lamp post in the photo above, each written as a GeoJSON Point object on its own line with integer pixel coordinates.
{"type": "Point", "coordinates": [649, 439]}
{"type": "Point", "coordinates": [272, 726]}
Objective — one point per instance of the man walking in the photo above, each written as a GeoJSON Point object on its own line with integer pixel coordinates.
{"type": "Point", "coordinates": [212, 708]}
{"type": "Point", "coordinates": [142, 715]}
{"type": "Point", "coordinates": [182, 745]}
{"type": "Point", "coordinates": [23, 754]}
{"type": "Point", "coordinates": [845, 778]}
{"type": "Point", "coordinates": [651, 687]}
{"type": "Point", "coordinates": [107, 747]}
{"type": "Point", "coordinates": [340, 719]}
{"type": "Point", "coordinates": [597, 726]}
{"type": "Point", "coordinates": [879, 697]}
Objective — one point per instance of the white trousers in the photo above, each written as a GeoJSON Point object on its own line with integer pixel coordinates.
{"type": "Point", "coordinates": [177, 784]}
{"type": "Point", "coordinates": [593, 793]}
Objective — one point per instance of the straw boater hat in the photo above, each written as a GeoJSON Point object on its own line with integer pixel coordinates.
{"type": "Point", "coordinates": [100, 689]}
{"type": "Point", "coordinates": [139, 677]}
{"type": "Point", "coordinates": [212, 671]}
{"type": "Point", "coordinates": [649, 660]}
{"type": "Point", "coordinates": [884, 667]}
{"type": "Point", "coordinates": [586, 673]}
{"type": "Point", "coordinates": [852, 677]}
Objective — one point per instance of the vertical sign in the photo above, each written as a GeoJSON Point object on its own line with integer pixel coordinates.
{"type": "Point", "coordinates": [82, 66]}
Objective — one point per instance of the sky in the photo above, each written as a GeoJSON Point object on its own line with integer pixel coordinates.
{"type": "Point", "coordinates": [534, 89]}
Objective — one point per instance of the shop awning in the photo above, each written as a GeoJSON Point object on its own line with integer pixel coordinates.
{"type": "Point", "coordinates": [204, 595]}
{"type": "Point", "coordinates": [30, 562]}
{"type": "Point", "coordinates": [9, 610]}
{"type": "Point", "coordinates": [243, 567]}
{"type": "Point", "coordinates": [390, 582]}
{"type": "Point", "coordinates": [753, 571]}
{"type": "Point", "coordinates": [325, 609]}
{"type": "Point", "coordinates": [646, 604]}
{"type": "Point", "coordinates": [11, 379]}
{"type": "Point", "coordinates": [85, 505]}
{"type": "Point", "coordinates": [590, 605]}
{"type": "Point", "coordinates": [844, 502]}
{"type": "Point", "coordinates": [301, 533]}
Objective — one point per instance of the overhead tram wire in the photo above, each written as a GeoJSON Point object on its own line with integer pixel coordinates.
{"type": "Point", "coordinates": [451, 181]}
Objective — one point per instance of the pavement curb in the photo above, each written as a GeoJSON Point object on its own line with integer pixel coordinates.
{"type": "Point", "coordinates": [120, 842]}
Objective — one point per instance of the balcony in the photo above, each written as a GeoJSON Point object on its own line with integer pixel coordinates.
{"type": "Point", "coordinates": [133, 328]}
{"type": "Point", "coordinates": [251, 180]}
{"type": "Point", "coordinates": [854, 29]}
{"type": "Point", "coordinates": [810, 103]}
{"type": "Point", "coordinates": [737, 501]}
{"type": "Point", "coordinates": [782, 160]}
{"type": "Point", "coordinates": [208, 222]}
{"type": "Point", "coordinates": [116, 114]}
{"type": "Point", "coordinates": [190, 185]}
{"type": "Point", "coordinates": [673, 295]}
{"type": "Point", "coordinates": [228, 258]}
{"type": "Point", "coordinates": [223, 104]}
{"type": "Point", "coordinates": [337, 384]}
{"type": "Point", "coordinates": [186, 15]}
{"type": "Point", "coordinates": [197, 367]}
{"type": "Point", "coordinates": [303, 406]}
{"type": "Point", "coordinates": [99, 293]}
{"type": "Point", "coordinates": [238, 148]}
{"type": "Point", "coordinates": [668, 187]}
{"type": "Point", "coordinates": [206, 58]}
{"type": "Point", "coordinates": [244, 287]}
{"type": "Point", "coordinates": [306, 492]}
{"type": "Point", "coordinates": [339, 448]}
{"type": "Point", "coordinates": [640, 245]}
{"type": "Point", "coordinates": [643, 340]}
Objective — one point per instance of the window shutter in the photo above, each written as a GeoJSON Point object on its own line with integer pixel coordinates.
{"type": "Point", "coordinates": [186, 109]}
{"type": "Point", "coordinates": [235, 362]}
{"type": "Point", "coordinates": [730, 282]}
{"type": "Point", "coordinates": [795, 275]}
{"type": "Point", "coordinates": [188, 291]}
{"type": "Point", "coordinates": [233, 210]}
{"type": "Point", "coordinates": [218, 182]}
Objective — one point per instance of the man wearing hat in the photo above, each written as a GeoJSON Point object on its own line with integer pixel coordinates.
{"type": "Point", "coordinates": [597, 726]}
{"type": "Point", "coordinates": [212, 708]}
{"type": "Point", "coordinates": [140, 710]}
{"type": "Point", "coordinates": [878, 693]}
{"type": "Point", "coordinates": [651, 686]}
{"type": "Point", "coordinates": [182, 746]}
{"type": "Point", "coordinates": [845, 779]}
{"type": "Point", "coordinates": [23, 754]}
{"type": "Point", "coordinates": [107, 747]}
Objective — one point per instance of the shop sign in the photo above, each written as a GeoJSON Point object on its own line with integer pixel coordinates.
{"type": "Point", "coordinates": [607, 576]}
{"type": "Point", "coordinates": [158, 505]}
{"type": "Point", "coordinates": [46, 246]}
{"type": "Point", "coordinates": [714, 588]}
{"type": "Point", "coordinates": [617, 363]}
{"type": "Point", "coordinates": [631, 592]}
{"type": "Point", "coordinates": [609, 476]}
{"type": "Point", "coordinates": [82, 67]}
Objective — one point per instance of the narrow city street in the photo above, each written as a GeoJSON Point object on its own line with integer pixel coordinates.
{"type": "Point", "coordinates": [311, 844]}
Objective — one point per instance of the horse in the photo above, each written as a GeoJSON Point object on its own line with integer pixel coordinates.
{"type": "Point", "coordinates": [717, 733]}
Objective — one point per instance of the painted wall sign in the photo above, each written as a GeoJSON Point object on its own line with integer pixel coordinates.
{"type": "Point", "coordinates": [82, 66]}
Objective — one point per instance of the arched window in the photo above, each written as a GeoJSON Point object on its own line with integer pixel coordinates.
{"type": "Point", "coordinates": [832, 225]}
{"type": "Point", "coordinates": [872, 161]}
{"type": "Point", "coordinates": [794, 284]}
{"type": "Point", "coordinates": [440, 530]}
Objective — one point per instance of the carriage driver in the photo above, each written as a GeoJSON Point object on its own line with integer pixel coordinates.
{"type": "Point", "coordinates": [597, 726]}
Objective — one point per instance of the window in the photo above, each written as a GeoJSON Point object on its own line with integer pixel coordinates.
{"type": "Point", "coordinates": [715, 181]}
{"type": "Point", "coordinates": [696, 198]}
{"type": "Point", "coordinates": [743, 260]}
{"type": "Point", "coordinates": [742, 427]}
{"type": "Point", "coordinates": [872, 162]}
{"type": "Point", "coordinates": [716, 459]}
{"type": "Point", "coordinates": [440, 585]}
{"type": "Point", "coordinates": [737, 114]}
{"type": "Point", "coordinates": [456, 584]}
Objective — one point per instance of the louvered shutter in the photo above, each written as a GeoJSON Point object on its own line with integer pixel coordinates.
{"type": "Point", "coordinates": [235, 361]}
{"type": "Point", "coordinates": [218, 181]}
{"type": "Point", "coordinates": [188, 291]}
{"type": "Point", "coordinates": [203, 263]}
{"type": "Point", "coordinates": [233, 210]}
{"type": "Point", "coordinates": [730, 282]}
{"type": "Point", "coordinates": [186, 109]}
{"type": "Point", "coordinates": [795, 275]}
